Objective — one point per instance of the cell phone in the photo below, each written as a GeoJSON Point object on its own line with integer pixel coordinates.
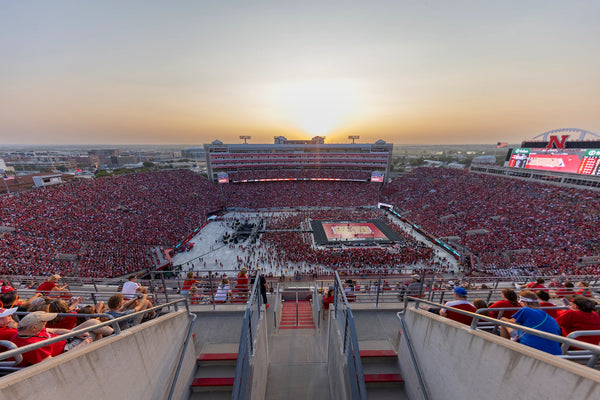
{"type": "Point", "coordinates": [565, 301]}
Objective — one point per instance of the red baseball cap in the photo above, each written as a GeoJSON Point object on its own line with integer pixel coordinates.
{"type": "Point", "coordinates": [6, 289]}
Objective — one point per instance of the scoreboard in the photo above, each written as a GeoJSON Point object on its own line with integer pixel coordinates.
{"type": "Point", "coordinates": [580, 161]}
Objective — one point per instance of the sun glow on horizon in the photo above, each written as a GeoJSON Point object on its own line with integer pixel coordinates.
{"type": "Point", "coordinates": [317, 107]}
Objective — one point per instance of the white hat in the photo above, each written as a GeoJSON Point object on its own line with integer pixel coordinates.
{"type": "Point", "coordinates": [5, 312]}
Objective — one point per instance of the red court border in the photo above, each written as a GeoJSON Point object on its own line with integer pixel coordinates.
{"type": "Point", "coordinates": [331, 236]}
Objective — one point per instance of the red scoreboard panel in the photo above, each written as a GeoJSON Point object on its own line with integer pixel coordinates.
{"type": "Point", "coordinates": [581, 161]}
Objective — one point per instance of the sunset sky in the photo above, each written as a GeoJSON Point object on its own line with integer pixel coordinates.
{"type": "Point", "coordinates": [190, 72]}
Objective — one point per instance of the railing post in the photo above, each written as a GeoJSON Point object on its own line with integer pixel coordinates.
{"type": "Point", "coordinates": [296, 307]}
{"type": "Point", "coordinates": [378, 290]}
{"type": "Point", "coordinates": [212, 292]}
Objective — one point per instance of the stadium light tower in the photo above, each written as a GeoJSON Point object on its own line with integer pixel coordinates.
{"type": "Point", "coordinates": [353, 137]}
{"type": "Point", "coordinates": [245, 138]}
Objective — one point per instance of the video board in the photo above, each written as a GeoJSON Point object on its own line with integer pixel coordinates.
{"type": "Point", "coordinates": [580, 161]}
{"type": "Point", "coordinates": [377, 176]}
{"type": "Point", "coordinates": [223, 177]}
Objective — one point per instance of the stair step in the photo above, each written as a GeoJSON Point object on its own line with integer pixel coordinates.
{"type": "Point", "coordinates": [378, 353]}
{"type": "Point", "coordinates": [296, 327]}
{"type": "Point", "coordinates": [217, 383]}
{"type": "Point", "coordinates": [217, 357]}
{"type": "Point", "coordinates": [383, 378]}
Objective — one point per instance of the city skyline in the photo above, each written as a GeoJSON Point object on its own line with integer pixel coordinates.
{"type": "Point", "coordinates": [429, 72]}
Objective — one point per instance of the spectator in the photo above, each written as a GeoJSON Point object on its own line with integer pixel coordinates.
{"type": "Point", "coordinates": [10, 298]}
{"type": "Point", "coordinates": [7, 324]}
{"type": "Point", "coordinates": [538, 284]}
{"type": "Point", "coordinates": [64, 322]}
{"type": "Point", "coordinates": [328, 300]}
{"type": "Point", "coordinates": [223, 291]}
{"type": "Point", "coordinates": [479, 304]}
{"type": "Point", "coordinates": [47, 288]}
{"type": "Point", "coordinates": [32, 329]}
{"type": "Point", "coordinates": [118, 307]}
{"type": "Point", "coordinates": [131, 288]}
{"type": "Point", "coordinates": [460, 302]}
{"type": "Point", "coordinates": [566, 291]}
{"type": "Point", "coordinates": [533, 317]}
{"type": "Point", "coordinates": [545, 302]}
{"type": "Point", "coordinates": [584, 289]}
{"type": "Point", "coordinates": [188, 283]}
{"type": "Point", "coordinates": [581, 316]}
{"type": "Point", "coordinates": [509, 300]}
{"type": "Point", "coordinates": [262, 284]}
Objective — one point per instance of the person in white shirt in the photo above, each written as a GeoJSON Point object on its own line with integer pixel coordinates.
{"type": "Point", "coordinates": [131, 288]}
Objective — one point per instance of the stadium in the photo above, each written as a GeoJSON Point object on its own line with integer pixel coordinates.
{"type": "Point", "coordinates": [305, 217]}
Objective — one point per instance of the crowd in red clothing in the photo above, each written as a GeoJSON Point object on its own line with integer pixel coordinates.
{"type": "Point", "coordinates": [300, 194]}
{"type": "Point", "coordinates": [495, 215]}
{"type": "Point", "coordinates": [299, 174]}
{"type": "Point", "coordinates": [293, 247]}
{"type": "Point", "coordinates": [104, 226]}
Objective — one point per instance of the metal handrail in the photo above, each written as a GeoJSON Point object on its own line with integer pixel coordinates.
{"type": "Point", "coordinates": [34, 346]}
{"type": "Point", "coordinates": [246, 346]}
{"type": "Point", "coordinates": [595, 349]}
{"type": "Point", "coordinates": [183, 349]}
{"type": "Point", "coordinates": [317, 306]}
{"type": "Point", "coordinates": [276, 305]}
{"type": "Point", "coordinates": [413, 358]}
{"type": "Point", "coordinates": [350, 341]}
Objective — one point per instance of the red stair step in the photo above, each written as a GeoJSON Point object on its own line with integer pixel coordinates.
{"type": "Point", "coordinates": [204, 382]}
{"type": "Point", "coordinates": [217, 356]}
{"type": "Point", "coordinates": [383, 378]}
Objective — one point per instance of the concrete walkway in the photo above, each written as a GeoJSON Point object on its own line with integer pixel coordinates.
{"type": "Point", "coordinates": [298, 365]}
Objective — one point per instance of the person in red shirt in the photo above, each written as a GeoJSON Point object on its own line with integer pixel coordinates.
{"type": "Point", "coordinates": [580, 317]}
{"type": "Point", "coordinates": [7, 324]}
{"type": "Point", "coordinates": [584, 289]}
{"type": "Point", "coordinates": [460, 302]}
{"type": "Point", "coordinates": [538, 284]}
{"type": "Point", "coordinates": [567, 290]}
{"type": "Point", "coordinates": [545, 302]}
{"type": "Point", "coordinates": [327, 300]}
{"type": "Point", "coordinates": [188, 283]}
{"type": "Point", "coordinates": [32, 329]}
{"type": "Point", "coordinates": [509, 300]}
{"type": "Point", "coordinates": [50, 286]}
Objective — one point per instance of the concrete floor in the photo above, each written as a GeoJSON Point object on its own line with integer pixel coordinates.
{"type": "Point", "coordinates": [298, 365]}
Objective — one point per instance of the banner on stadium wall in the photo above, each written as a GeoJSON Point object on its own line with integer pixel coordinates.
{"type": "Point", "coordinates": [377, 176]}
{"type": "Point", "coordinates": [223, 177]}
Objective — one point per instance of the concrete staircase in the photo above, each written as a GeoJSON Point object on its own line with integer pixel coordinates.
{"type": "Point", "coordinates": [296, 315]}
{"type": "Point", "coordinates": [215, 373]}
{"type": "Point", "coordinates": [382, 374]}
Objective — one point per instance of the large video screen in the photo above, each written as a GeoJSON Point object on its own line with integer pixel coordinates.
{"type": "Point", "coordinates": [580, 161]}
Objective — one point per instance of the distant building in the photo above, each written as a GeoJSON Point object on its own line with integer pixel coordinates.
{"type": "Point", "coordinates": [484, 160]}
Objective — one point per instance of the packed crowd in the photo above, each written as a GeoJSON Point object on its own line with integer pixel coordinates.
{"type": "Point", "coordinates": [101, 227]}
{"type": "Point", "coordinates": [300, 194]}
{"type": "Point", "coordinates": [493, 216]}
{"type": "Point", "coordinates": [532, 308]}
{"type": "Point", "coordinates": [300, 174]}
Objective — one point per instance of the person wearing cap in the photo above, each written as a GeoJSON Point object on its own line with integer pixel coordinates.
{"type": "Point", "coordinates": [460, 302]}
{"type": "Point", "coordinates": [10, 298]}
{"type": "Point", "coordinates": [50, 286]}
{"type": "Point", "coordinates": [531, 316]}
{"type": "Point", "coordinates": [7, 324]}
{"type": "Point", "coordinates": [32, 329]}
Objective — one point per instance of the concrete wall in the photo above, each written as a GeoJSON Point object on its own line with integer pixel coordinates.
{"type": "Point", "coordinates": [217, 327]}
{"type": "Point", "coordinates": [460, 363]}
{"type": "Point", "coordinates": [337, 368]}
{"type": "Point", "coordinates": [259, 364]}
{"type": "Point", "coordinates": [377, 325]}
{"type": "Point", "coordinates": [138, 364]}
